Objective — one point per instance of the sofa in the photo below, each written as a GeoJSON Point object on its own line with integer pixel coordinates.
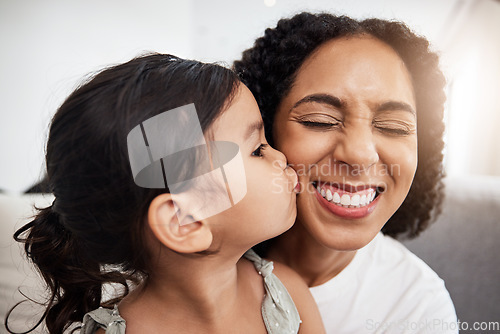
{"type": "Point", "coordinates": [17, 274]}
{"type": "Point", "coordinates": [462, 246]}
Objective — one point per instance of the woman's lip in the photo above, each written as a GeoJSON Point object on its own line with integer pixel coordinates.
{"type": "Point", "coordinates": [346, 187]}
{"type": "Point", "coordinates": [348, 213]}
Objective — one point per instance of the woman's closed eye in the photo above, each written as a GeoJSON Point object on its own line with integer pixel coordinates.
{"type": "Point", "coordinates": [397, 128]}
{"type": "Point", "coordinates": [323, 122]}
{"type": "Point", "coordinates": [259, 151]}
{"type": "Point", "coordinates": [313, 124]}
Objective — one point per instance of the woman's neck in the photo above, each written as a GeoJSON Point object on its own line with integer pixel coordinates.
{"type": "Point", "coordinates": [314, 262]}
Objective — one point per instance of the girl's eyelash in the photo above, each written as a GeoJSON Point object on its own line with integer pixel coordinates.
{"type": "Point", "coordinates": [258, 151]}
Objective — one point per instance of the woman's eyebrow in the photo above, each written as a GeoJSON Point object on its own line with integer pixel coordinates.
{"type": "Point", "coordinates": [396, 105]}
{"type": "Point", "coordinates": [252, 128]}
{"type": "Point", "coordinates": [320, 98]}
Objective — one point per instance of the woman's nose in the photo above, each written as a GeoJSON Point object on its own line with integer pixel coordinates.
{"type": "Point", "coordinates": [356, 148]}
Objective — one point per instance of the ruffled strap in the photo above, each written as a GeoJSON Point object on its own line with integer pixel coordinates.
{"type": "Point", "coordinates": [278, 309]}
{"type": "Point", "coordinates": [107, 319]}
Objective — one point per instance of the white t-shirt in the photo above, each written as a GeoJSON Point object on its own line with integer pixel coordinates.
{"type": "Point", "coordinates": [386, 289]}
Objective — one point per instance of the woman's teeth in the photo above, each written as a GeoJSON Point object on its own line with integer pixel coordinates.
{"type": "Point", "coordinates": [351, 200]}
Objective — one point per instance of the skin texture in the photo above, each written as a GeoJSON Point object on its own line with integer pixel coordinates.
{"type": "Point", "coordinates": [348, 119]}
{"type": "Point", "coordinates": [190, 293]}
{"type": "Point", "coordinates": [270, 66]}
{"type": "Point", "coordinates": [268, 208]}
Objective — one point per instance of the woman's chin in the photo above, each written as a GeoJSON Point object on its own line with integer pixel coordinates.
{"type": "Point", "coordinates": [342, 238]}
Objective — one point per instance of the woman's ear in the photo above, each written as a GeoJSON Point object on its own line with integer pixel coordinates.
{"type": "Point", "coordinates": [165, 217]}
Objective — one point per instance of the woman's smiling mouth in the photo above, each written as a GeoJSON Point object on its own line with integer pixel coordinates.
{"type": "Point", "coordinates": [347, 201]}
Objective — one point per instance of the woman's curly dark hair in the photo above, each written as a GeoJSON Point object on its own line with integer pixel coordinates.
{"type": "Point", "coordinates": [269, 69]}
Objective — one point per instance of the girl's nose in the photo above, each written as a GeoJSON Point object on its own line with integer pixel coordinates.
{"type": "Point", "coordinates": [280, 159]}
{"type": "Point", "coordinates": [289, 172]}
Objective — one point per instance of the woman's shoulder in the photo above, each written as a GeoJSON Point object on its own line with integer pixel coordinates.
{"type": "Point", "coordinates": [384, 273]}
{"type": "Point", "coordinates": [413, 281]}
{"type": "Point", "coordinates": [393, 270]}
{"type": "Point", "coordinates": [388, 254]}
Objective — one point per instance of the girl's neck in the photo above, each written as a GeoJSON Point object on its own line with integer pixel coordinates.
{"type": "Point", "coordinates": [314, 262]}
{"type": "Point", "coordinates": [195, 293]}
{"type": "Point", "coordinates": [208, 283]}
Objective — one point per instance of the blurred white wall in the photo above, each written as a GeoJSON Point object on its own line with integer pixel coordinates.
{"type": "Point", "coordinates": [48, 46]}
{"type": "Point", "coordinates": [472, 62]}
{"type": "Point", "coordinates": [224, 30]}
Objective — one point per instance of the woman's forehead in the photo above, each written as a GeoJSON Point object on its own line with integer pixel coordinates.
{"type": "Point", "coordinates": [354, 66]}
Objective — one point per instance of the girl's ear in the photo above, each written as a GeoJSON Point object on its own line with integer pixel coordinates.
{"type": "Point", "coordinates": [163, 219]}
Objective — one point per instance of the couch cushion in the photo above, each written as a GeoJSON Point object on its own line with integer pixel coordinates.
{"type": "Point", "coordinates": [463, 246]}
{"type": "Point", "coordinates": [17, 273]}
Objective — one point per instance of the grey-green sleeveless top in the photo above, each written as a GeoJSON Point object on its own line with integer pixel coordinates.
{"type": "Point", "coordinates": [278, 310]}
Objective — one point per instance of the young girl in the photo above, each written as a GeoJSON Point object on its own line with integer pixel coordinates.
{"type": "Point", "coordinates": [182, 271]}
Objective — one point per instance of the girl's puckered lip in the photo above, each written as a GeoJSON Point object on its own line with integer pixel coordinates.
{"type": "Point", "coordinates": [297, 188]}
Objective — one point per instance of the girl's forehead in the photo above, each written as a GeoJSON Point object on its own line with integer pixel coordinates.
{"type": "Point", "coordinates": [234, 123]}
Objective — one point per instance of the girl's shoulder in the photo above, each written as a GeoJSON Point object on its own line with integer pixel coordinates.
{"type": "Point", "coordinates": [103, 320]}
{"type": "Point", "coordinates": [282, 311]}
{"type": "Point", "coordinates": [288, 279]}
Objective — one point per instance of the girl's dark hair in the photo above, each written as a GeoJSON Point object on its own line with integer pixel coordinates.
{"type": "Point", "coordinates": [93, 233]}
{"type": "Point", "coordinates": [269, 69]}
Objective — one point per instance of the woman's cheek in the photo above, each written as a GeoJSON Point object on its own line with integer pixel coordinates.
{"type": "Point", "coordinates": [399, 156]}
{"type": "Point", "coordinates": [304, 148]}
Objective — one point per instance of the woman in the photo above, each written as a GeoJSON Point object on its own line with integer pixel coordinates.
{"type": "Point", "coordinates": [342, 99]}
